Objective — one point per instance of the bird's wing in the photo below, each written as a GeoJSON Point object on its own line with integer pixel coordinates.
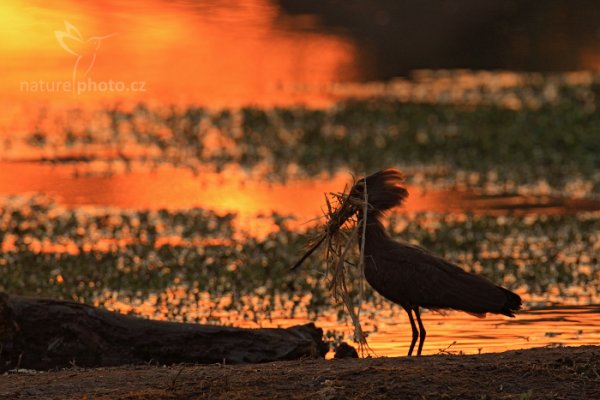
{"type": "Point", "coordinates": [414, 276]}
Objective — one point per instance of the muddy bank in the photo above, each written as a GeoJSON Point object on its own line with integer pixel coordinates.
{"type": "Point", "coordinates": [565, 373]}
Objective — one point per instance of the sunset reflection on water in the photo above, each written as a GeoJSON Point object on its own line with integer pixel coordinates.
{"type": "Point", "coordinates": [215, 54]}
{"type": "Point", "coordinates": [235, 191]}
{"type": "Point", "coordinates": [388, 328]}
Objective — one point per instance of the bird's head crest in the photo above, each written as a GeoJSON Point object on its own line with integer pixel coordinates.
{"type": "Point", "coordinates": [385, 189]}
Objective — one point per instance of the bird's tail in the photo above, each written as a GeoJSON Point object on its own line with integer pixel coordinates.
{"type": "Point", "coordinates": [513, 303]}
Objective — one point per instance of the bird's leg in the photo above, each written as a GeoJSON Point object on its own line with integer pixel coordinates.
{"type": "Point", "coordinates": [422, 332]}
{"type": "Point", "coordinates": [415, 332]}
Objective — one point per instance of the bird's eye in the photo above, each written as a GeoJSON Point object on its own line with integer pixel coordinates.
{"type": "Point", "coordinates": [359, 188]}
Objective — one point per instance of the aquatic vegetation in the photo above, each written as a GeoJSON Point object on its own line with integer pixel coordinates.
{"type": "Point", "coordinates": [177, 258]}
{"type": "Point", "coordinates": [547, 146]}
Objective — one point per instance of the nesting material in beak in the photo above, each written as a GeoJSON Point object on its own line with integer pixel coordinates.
{"type": "Point", "coordinates": [341, 232]}
{"type": "Point", "coordinates": [342, 263]}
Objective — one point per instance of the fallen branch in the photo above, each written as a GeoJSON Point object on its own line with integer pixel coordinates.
{"type": "Point", "coordinates": [43, 334]}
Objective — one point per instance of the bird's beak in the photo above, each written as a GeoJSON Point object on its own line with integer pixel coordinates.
{"type": "Point", "coordinates": [342, 215]}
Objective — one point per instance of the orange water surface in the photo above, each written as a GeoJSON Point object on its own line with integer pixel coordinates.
{"type": "Point", "coordinates": [211, 53]}
{"type": "Point", "coordinates": [389, 332]}
{"type": "Point", "coordinates": [238, 192]}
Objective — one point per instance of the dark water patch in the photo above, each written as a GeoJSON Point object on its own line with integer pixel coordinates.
{"type": "Point", "coordinates": [392, 39]}
{"type": "Point", "coordinates": [536, 320]}
{"type": "Point", "coordinates": [527, 204]}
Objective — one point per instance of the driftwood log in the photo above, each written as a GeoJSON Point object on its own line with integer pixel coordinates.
{"type": "Point", "coordinates": [43, 334]}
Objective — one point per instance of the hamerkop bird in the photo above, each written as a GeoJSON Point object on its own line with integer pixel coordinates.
{"type": "Point", "coordinates": [410, 275]}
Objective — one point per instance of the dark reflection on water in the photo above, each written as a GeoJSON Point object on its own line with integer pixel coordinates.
{"type": "Point", "coordinates": [393, 38]}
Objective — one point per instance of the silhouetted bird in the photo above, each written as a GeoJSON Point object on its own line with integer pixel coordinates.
{"type": "Point", "coordinates": [410, 275]}
{"type": "Point", "coordinates": [407, 274]}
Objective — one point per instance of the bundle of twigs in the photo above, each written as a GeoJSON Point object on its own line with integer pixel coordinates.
{"type": "Point", "coordinates": [345, 226]}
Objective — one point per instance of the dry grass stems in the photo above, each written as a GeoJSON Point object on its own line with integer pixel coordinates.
{"type": "Point", "coordinates": [343, 230]}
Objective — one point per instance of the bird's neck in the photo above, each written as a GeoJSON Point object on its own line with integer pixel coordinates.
{"type": "Point", "coordinates": [374, 231]}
